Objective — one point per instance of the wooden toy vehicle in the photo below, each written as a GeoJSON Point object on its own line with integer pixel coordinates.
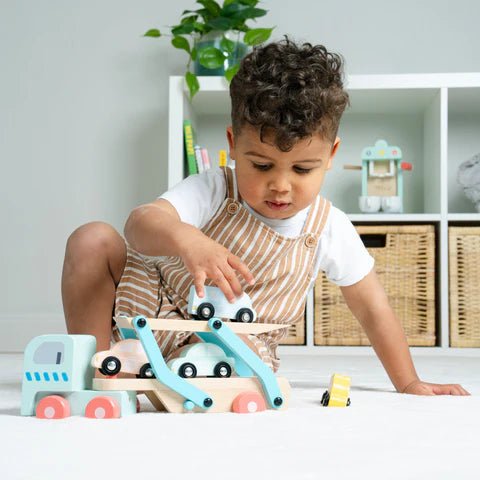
{"type": "Point", "coordinates": [338, 393]}
{"type": "Point", "coordinates": [255, 387]}
{"type": "Point", "coordinates": [57, 381]}
{"type": "Point", "coordinates": [382, 178]}
{"type": "Point", "coordinates": [215, 304]}
{"type": "Point", "coordinates": [202, 360]}
{"type": "Point", "coordinates": [58, 374]}
{"type": "Point", "coordinates": [126, 356]}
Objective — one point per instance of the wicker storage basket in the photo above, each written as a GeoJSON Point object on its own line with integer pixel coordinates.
{"type": "Point", "coordinates": [405, 264]}
{"type": "Point", "coordinates": [464, 266]}
{"type": "Point", "coordinates": [296, 334]}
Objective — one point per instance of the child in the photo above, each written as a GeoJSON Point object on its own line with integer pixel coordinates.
{"type": "Point", "coordinates": [262, 227]}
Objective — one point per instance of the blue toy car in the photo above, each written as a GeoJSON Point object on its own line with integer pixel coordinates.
{"type": "Point", "coordinates": [214, 303]}
{"type": "Point", "coordinates": [202, 360]}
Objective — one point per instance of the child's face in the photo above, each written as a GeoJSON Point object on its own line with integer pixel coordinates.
{"type": "Point", "coordinates": [279, 184]}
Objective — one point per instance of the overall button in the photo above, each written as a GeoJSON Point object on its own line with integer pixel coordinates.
{"type": "Point", "coordinates": [232, 208]}
{"type": "Point", "coordinates": [310, 241]}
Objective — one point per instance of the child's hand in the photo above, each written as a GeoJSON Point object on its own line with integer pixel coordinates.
{"type": "Point", "coordinates": [423, 388]}
{"type": "Point", "coordinates": [204, 258]}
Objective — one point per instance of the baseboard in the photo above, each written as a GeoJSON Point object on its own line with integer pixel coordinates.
{"type": "Point", "coordinates": [18, 330]}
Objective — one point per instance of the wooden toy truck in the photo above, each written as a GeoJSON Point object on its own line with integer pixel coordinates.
{"type": "Point", "coordinates": [58, 375]}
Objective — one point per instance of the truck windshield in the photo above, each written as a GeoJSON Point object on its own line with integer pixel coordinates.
{"type": "Point", "coordinates": [50, 353]}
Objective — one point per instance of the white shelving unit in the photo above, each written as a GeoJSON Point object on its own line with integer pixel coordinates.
{"type": "Point", "coordinates": [434, 118]}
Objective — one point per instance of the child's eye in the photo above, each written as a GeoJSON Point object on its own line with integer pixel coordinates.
{"type": "Point", "coordinates": [302, 170]}
{"type": "Point", "coordinates": [261, 166]}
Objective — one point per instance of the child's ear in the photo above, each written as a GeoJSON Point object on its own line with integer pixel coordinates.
{"type": "Point", "coordinates": [231, 142]}
{"type": "Point", "coordinates": [333, 152]}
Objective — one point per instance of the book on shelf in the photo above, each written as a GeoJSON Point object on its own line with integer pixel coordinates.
{"type": "Point", "coordinates": [189, 140]}
{"type": "Point", "coordinates": [198, 158]}
{"type": "Point", "coordinates": [222, 158]}
{"type": "Point", "coordinates": [205, 158]}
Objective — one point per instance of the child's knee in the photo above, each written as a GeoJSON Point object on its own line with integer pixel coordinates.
{"type": "Point", "coordinates": [91, 237]}
{"type": "Point", "coordinates": [93, 242]}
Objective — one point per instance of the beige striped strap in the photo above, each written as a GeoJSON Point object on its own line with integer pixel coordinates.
{"type": "Point", "coordinates": [231, 183]}
{"type": "Point", "coordinates": [317, 216]}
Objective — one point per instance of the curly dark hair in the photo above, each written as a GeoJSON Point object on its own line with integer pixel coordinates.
{"type": "Point", "coordinates": [291, 91]}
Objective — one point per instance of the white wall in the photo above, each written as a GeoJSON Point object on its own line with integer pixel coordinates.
{"type": "Point", "coordinates": [83, 113]}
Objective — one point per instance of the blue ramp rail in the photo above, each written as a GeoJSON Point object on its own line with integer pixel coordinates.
{"type": "Point", "coordinates": [264, 373]}
{"type": "Point", "coordinates": [193, 395]}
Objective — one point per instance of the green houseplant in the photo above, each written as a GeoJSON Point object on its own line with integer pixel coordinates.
{"type": "Point", "coordinates": [211, 37]}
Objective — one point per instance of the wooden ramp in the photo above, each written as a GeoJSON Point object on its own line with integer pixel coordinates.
{"type": "Point", "coordinates": [222, 391]}
{"type": "Point", "coordinates": [199, 325]}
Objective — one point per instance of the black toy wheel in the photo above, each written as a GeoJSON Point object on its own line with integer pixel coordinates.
{"type": "Point", "coordinates": [348, 401]}
{"type": "Point", "coordinates": [325, 398]}
{"type": "Point", "coordinates": [187, 370]}
{"type": "Point", "coordinates": [222, 370]}
{"type": "Point", "coordinates": [205, 311]}
{"type": "Point", "coordinates": [244, 315]}
{"type": "Point", "coordinates": [146, 371]}
{"type": "Point", "coordinates": [110, 366]}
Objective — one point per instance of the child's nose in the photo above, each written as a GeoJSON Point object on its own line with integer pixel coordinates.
{"type": "Point", "coordinates": [280, 183]}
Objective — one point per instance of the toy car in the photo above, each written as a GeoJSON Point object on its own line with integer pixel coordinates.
{"type": "Point", "coordinates": [126, 356]}
{"type": "Point", "coordinates": [337, 394]}
{"type": "Point", "coordinates": [214, 303]}
{"type": "Point", "coordinates": [202, 360]}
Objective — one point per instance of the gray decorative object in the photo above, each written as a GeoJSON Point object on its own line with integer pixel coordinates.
{"type": "Point", "coordinates": [469, 178]}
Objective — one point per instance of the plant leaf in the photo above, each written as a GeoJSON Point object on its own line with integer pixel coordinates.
{"type": "Point", "coordinates": [212, 6]}
{"type": "Point", "coordinates": [231, 72]}
{"type": "Point", "coordinates": [227, 45]}
{"type": "Point", "coordinates": [257, 36]}
{"type": "Point", "coordinates": [242, 12]}
{"type": "Point", "coordinates": [192, 83]}
{"type": "Point", "coordinates": [193, 53]}
{"type": "Point", "coordinates": [211, 57]}
{"type": "Point", "coordinates": [250, 3]}
{"type": "Point", "coordinates": [153, 32]}
{"type": "Point", "coordinates": [185, 29]}
{"type": "Point", "coordinates": [234, 9]}
{"type": "Point", "coordinates": [256, 12]}
{"type": "Point", "coordinates": [220, 23]}
{"type": "Point", "coordinates": [181, 42]}
{"type": "Point", "coordinates": [190, 19]}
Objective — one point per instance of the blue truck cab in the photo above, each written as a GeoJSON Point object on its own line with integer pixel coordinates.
{"type": "Point", "coordinates": [60, 365]}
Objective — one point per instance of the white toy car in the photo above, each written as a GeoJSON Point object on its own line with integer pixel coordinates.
{"type": "Point", "coordinates": [214, 303]}
{"type": "Point", "coordinates": [202, 360]}
{"type": "Point", "coordinates": [126, 356]}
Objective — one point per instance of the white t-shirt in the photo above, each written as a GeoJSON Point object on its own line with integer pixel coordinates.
{"type": "Point", "coordinates": [340, 251]}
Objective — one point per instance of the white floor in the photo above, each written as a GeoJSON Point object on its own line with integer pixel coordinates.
{"type": "Point", "coordinates": [382, 435]}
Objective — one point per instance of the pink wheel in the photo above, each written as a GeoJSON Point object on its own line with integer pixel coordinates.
{"type": "Point", "coordinates": [53, 406]}
{"type": "Point", "coordinates": [248, 402]}
{"type": "Point", "coordinates": [102, 407]}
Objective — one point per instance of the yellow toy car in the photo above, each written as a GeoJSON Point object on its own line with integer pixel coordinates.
{"type": "Point", "coordinates": [338, 393]}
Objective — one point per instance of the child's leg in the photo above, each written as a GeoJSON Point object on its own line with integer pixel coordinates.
{"type": "Point", "coordinates": [94, 261]}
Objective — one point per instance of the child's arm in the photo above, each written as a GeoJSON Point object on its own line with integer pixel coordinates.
{"type": "Point", "coordinates": [156, 229]}
{"type": "Point", "coordinates": [369, 303]}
